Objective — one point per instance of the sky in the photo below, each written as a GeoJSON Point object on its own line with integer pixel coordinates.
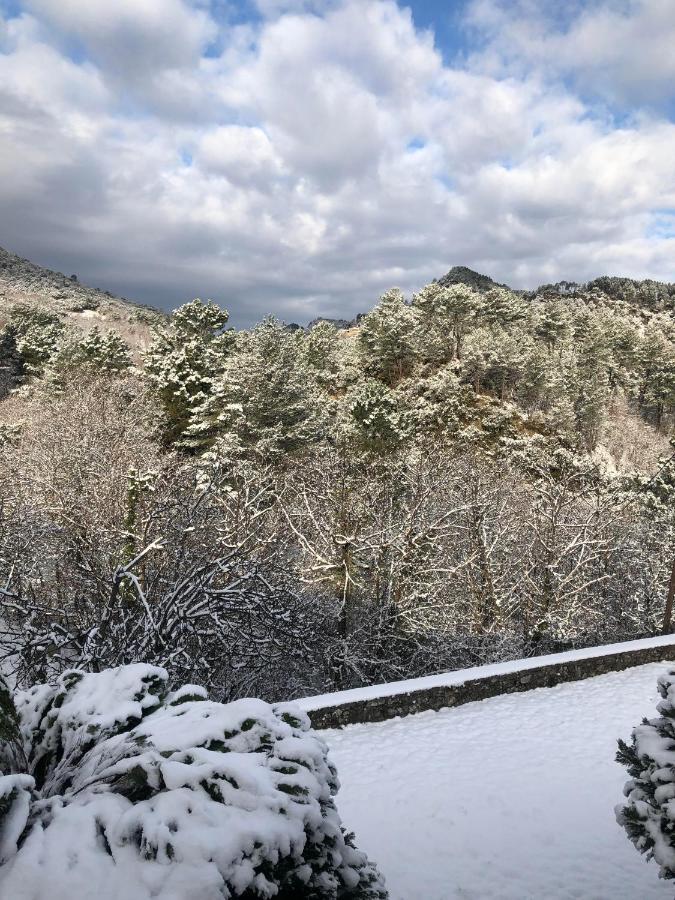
{"type": "Point", "coordinates": [299, 157]}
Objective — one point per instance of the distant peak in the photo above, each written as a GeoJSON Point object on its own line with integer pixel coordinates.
{"type": "Point", "coordinates": [464, 275]}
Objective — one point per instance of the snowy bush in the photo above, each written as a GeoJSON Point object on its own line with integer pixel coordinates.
{"type": "Point", "coordinates": [648, 814]}
{"type": "Point", "coordinates": [112, 779]}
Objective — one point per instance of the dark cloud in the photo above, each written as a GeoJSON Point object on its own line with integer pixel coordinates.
{"type": "Point", "coordinates": [320, 158]}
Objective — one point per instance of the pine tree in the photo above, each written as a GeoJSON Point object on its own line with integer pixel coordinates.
{"type": "Point", "coordinates": [184, 364]}
{"type": "Point", "coordinates": [266, 396]}
{"type": "Point", "coordinates": [376, 419]}
{"type": "Point", "coordinates": [445, 316]}
{"type": "Point", "coordinates": [656, 374]}
{"type": "Point", "coordinates": [594, 359]}
{"type": "Point", "coordinates": [502, 307]}
{"type": "Point", "coordinates": [30, 339]}
{"type": "Point", "coordinates": [105, 352]}
{"type": "Point", "coordinates": [553, 322]}
{"type": "Point", "coordinates": [322, 355]}
{"type": "Point", "coordinates": [647, 814]}
{"type": "Point", "coordinates": [12, 367]}
{"type": "Point", "coordinates": [386, 339]}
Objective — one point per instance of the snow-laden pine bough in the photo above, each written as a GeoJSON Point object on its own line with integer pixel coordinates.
{"type": "Point", "coordinates": [114, 783]}
{"type": "Point", "coordinates": [648, 813]}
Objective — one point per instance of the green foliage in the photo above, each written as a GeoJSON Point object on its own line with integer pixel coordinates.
{"type": "Point", "coordinates": [553, 323]}
{"type": "Point", "coordinates": [11, 746]}
{"type": "Point", "coordinates": [568, 389]}
{"type": "Point", "coordinates": [652, 295]}
{"type": "Point", "coordinates": [84, 303]}
{"type": "Point", "coordinates": [102, 352]}
{"type": "Point", "coordinates": [184, 363]}
{"type": "Point", "coordinates": [162, 783]}
{"type": "Point", "coordinates": [474, 366]}
{"type": "Point", "coordinates": [647, 814]}
{"type": "Point", "coordinates": [445, 315]}
{"type": "Point", "coordinates": [375, 416]}
{"type": "Point", "coordinates": [656, 373]}
{"type": "Point", "coordinates": [266, 396]}
{"type": "Point", "coordinates": [386, 339]}
{"type": "Point", "coordinates": [30, 339]}
{"type": "Point", "coordinates": [323, 355]}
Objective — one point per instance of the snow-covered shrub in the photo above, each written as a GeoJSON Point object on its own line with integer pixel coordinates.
{"type": "Point", "coordinates": [648, 814]}
{"type": "Point", "coordinates": [113, 780]}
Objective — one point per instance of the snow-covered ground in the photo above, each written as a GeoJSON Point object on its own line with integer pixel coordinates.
{"type": "Point", "coordinates": [510, 798]}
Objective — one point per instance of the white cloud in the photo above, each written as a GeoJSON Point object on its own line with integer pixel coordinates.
{"type": "Point", "coordinates": [275, 8]}
{"type": "Point", "coordinates": [123, 34]}
{"type": "Point", "coordinates": [315, 161]}
{"type": "Point", "coordinates": [243, 155]}
{"type": "Point", "coordinates": [619, 50]}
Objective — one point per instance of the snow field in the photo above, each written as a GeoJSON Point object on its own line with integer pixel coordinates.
{"type": "Point", "coordinates": [510, 798]}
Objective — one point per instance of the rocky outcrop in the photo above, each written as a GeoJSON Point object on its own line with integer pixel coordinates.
{"type": "Point", "coordinates": [463, 275]}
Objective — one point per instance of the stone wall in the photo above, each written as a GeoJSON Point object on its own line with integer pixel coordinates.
{"type": "Point", "coordinates": [378, 709]}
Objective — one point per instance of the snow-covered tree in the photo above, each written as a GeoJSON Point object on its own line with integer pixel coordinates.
{"type": "Point", "coordinates": [552, 322]}
{"type": "Point", "coordinates": [266, 396]}
{"type": "Point", "coordinates": [323, 355]}
{"type": "Point", "coordinates": [647, 814]}
{"type": "Point", "coordinates": [591, 384]}
{"type": "Point", "coordinates": [83, 493]}
{"type": "Point", "coordinates": [107, 352]}
{"type": "Point", "coordinates": [115, 779]}
{"type": "Point", "coordinates": [184, 363]}
{"type": "Point", "coordinates": [207, 596]}
{"type": "Point", "coordinates": [494, 360]}
{"type": "Point", "coordinates": [569, 549]}
{"type": "Point", "coordinates": [375, 417]}
{"type": "Point", "coordinates": [30, 338]}
{"type": "Point", "coordinates": [656, 378]}
{"type": "Point", "coordinates": [435, 404]}
{"type": "Point", "coordinates": [444, 316]}
{"type": "Point", "coordinates": [386, 339]}
{"type": "Point", "coordinates": [502, 307]}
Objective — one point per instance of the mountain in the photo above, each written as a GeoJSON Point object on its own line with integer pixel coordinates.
{"type": "Point", "coordinates": [464, 275]}
{"type": "Point", "coordinates": [23, 283]}
{"type": "Point", "coordinates": [655, 296]}
{"type": "Point", "coordinates": [339, 324]}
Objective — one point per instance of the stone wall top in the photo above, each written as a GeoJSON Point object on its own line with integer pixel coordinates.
{"type": "Point", "coordinates": [404, 698]}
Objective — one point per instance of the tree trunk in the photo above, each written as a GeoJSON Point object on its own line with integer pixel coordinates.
{"type": "Point", "coordinates": [667, 615]}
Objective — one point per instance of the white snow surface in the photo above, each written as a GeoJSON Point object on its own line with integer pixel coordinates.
{"type": "Point", "coordinates": [510, 798]}
{"type": "Point", "coordinates": [135, 794]}
{"type": "Point", "coordinates": [460, 676]}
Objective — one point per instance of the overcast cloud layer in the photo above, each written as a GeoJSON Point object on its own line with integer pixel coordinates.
{"type": "Point", "coordinates": [300, 157]}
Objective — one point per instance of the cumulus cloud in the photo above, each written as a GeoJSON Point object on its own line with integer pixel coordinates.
{"type": "Point", "coordinates": [618, 50]}
{"type": "Point", "coordinates": [244, 155]}
{"type": "Point", "coordinates": [306, 160]}
{"type": "Point", "coordinates": [127, 35]}
{"type": "Point", "coordinates": [274, 8]}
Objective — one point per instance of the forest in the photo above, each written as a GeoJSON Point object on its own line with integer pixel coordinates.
{"type": "Point", "coordinates": [468, 475]}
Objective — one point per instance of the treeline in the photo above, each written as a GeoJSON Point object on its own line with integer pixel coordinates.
{"type": "Point", "coordinates": [469, 476]}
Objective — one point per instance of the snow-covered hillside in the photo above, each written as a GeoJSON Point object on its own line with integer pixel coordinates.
{"type": "Point", "coordinates": [508, 799]}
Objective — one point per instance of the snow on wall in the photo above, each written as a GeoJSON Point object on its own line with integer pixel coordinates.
{"type": "Point", "coordinates": [379, 702]}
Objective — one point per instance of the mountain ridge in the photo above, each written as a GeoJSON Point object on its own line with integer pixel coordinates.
{"type": "Point", "coordinates": [23, 281]}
